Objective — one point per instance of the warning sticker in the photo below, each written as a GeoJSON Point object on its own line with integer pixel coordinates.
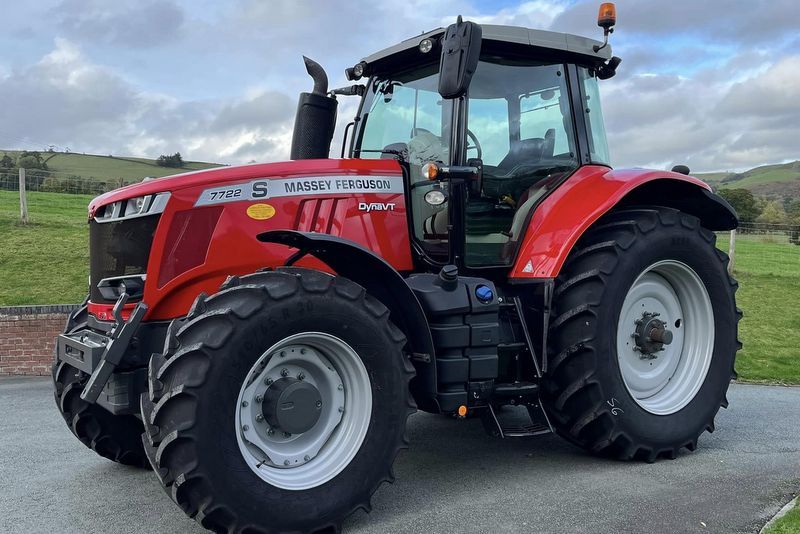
{"type": "Point", "coordinates": [260, 212]}
{"type": "Point", "coordinates": [264, 188]}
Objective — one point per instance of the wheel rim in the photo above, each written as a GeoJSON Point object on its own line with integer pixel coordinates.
{"type": "Point", "coordinates": [303, 411]}
{"type": "Point", "coordinates": [665, 337]}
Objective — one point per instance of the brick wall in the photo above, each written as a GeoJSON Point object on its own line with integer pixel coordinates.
{"type": "Point", "coordinates": [27, 338]}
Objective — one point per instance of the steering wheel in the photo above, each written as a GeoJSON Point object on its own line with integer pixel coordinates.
{"type": "Point", "coordinates": [476, 146]}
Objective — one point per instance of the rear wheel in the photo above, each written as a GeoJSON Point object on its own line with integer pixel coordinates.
{"type": "Point", "coordinates": [116, 437]}
{"type": "Point", "coordinates": [644, 336]}
{"type": "Point", "coordinates": [279, 403]}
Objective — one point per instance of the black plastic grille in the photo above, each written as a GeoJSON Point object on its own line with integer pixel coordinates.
{"type": "Point", "coordinates": [119, 248]}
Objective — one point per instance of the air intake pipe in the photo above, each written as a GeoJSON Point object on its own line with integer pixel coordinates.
{"type": "Point", "coordinates": [316, 117]}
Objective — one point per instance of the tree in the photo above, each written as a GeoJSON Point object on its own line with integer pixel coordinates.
{"type": "Point", "coordinates": [743, 202]}
{"type": "Point", "coordinates": [793, 211]}
{"type": "Point", "coordinates": [31, 160]}
{"type": "Point", "coordinates": [773, 213]}
{"type": "Point", "coordinates": [7, 162]}
{"type": "Point", "coordinates": [175, 160]}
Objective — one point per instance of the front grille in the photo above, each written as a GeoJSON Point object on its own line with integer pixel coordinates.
{"type": "Point", "coordinates": [119, 248]}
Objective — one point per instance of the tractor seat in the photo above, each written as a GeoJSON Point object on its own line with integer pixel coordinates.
{"type": "Point", "coordinates": [528, 150]}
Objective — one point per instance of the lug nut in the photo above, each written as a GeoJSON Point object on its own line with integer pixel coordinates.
{"type": "Point", "coordinates": [341, 387]}
{"type": "Point", "coordinates": [306, 458]}
{"type": "Point", "coordinates": [287, 434]}
{"type": "Point", "coordinates": [341, 409]}
{"type": "Point", "coordinates": [270, 432]}
{"type": "Point", "coordinates": [244, 404]}
{"type": "Point", "coordinates": [268, 381]}
{"type": "Point", "coordinates": [260, 418]}
{"type": "Point", "coordinates": [284, 372]}
{"type": "Point", "coordinates": [303, 351]}
{"type": "Point", "coordinates": [283, 353]}
{"type": "Point", "coordinates": [319, 404]}
{"type": "Point", "coordinates": [259, 398]}
{"type": "Point", "coordinates": [245, 428]}
{"type": "Point", "coordinates": [301, 376]}
{"type": "Point", "coordinates": [286, 462]}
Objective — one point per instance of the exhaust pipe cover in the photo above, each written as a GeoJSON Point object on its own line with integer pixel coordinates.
{"type": "Point", "coordinates": [316, 117]}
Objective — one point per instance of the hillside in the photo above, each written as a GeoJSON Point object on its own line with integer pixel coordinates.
{"type": "Point", "coordinates": [779, 180]}
{"type": "Point", "coordinates": [108, 168]}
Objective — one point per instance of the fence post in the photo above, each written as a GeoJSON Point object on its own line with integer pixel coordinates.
{"type": "Point", "coordinates": [732, 251]}
{"type": "Point", "coordinates": [23, 199]}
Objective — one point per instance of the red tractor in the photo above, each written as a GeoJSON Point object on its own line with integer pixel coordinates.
{"type": "Point", "coordinates": [260, 334]}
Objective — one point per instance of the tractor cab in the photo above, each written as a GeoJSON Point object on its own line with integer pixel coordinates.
{"type": "Point", "coordinates": [526, 115]}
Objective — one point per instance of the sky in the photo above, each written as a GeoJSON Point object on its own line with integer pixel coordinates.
{"type": "Point", "coordinates": [712, 84]}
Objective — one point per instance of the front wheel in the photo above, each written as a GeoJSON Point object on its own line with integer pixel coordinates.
{"type": "Point", "coordinates": [644, 336]}
{"type": "Point", "coordinates": [279, 404]}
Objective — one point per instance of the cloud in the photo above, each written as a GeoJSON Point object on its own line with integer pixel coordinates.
{"type": "Point", "coordinates": [260, 111]}
{"type": "Point", "coordinates": [142, 24]}
{"type": "Point", "coordinates": [705, 121]}
{"type": "Point", "coordinates": [743, 22]}
{"type": "Point", "coordinates": [66, 100]}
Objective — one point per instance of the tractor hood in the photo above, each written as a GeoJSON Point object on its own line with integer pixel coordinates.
{"type": "Point", "coordinates": [244, 173]}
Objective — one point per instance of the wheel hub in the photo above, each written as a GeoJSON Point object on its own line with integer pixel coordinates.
{"type": "Point", "coordinates": [303, 410]}
{"type": "Point", "coordinates": [651, 335]}
{"type": "Point", "coordinates": [665, 359]}
{"type": "Point", "coordinates": [292, 405]}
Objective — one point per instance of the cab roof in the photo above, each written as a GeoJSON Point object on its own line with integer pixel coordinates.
{"type": "Point", "coordinates": [538, 42]}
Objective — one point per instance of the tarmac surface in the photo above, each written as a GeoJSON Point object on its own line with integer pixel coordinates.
{"type": "Point", "coordinates": [454, 478]}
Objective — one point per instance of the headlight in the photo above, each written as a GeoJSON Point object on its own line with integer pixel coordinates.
{"type": "Point", "coordinates": [134, 206]}
{"type": "Point", "coordinates": [435, 197]}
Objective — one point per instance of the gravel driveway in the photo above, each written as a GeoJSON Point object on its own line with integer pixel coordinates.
{"type": "Point", "coordinates": [454, 479]}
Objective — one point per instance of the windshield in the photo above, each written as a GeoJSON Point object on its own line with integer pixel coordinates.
{"type": "Point", "coordinates": [406, 112]}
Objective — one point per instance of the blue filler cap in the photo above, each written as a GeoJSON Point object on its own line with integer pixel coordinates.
{"type": "Point", "coordinates": [484, 294]}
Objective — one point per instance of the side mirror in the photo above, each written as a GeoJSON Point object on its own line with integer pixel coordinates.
{"type": "Point", "coordinates": [461, 49]}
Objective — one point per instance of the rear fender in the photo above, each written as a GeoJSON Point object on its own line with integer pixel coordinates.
{"type": "Point", "coordinates": [560, 220]}
{"type": "Point", "coordinates": [382, 281]}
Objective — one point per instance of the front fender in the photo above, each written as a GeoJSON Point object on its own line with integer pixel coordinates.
{"type": "Point", "coordinates": [560, 220]}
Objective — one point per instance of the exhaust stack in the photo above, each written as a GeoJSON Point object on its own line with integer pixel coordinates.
{"type": "Point", "coordinates": [316, 117]}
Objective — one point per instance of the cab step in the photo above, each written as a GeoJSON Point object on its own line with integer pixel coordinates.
{"type": "Point", "coordinates": [516, 421]}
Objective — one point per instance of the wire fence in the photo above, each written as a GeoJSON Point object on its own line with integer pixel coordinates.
{"type": "Point", "coordinates": [763, 248]}
{"type": "Point", "coordinates": [59, 182]}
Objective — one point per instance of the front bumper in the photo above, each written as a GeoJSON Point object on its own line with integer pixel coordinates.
{"type": "Point", "coordinates": [98, 353]}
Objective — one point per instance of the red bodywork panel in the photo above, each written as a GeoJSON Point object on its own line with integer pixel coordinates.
{"type": "Point", "coordinates": [575, 205]}
{"type": "Point", "coordinates": [205, 244]}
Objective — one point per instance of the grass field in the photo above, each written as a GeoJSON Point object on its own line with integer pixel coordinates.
{"type": "Point", "coordinates": [47, 261]}
{"type": "Point", "coordinates": [788, 524]}
{"type": "Point", "coordinates": [766, 174]}
{"type": "Point", "coordinates": [109, 168]}
{"type": "Point", "coordinates": [769, 290]}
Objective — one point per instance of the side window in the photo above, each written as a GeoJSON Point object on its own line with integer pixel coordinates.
{"type": "Point", "coordinates": [488, 121]}
{"type": "Point", "coordinates": [542, 112]}
{"type": "Point", "coordinates": [598, 148]}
